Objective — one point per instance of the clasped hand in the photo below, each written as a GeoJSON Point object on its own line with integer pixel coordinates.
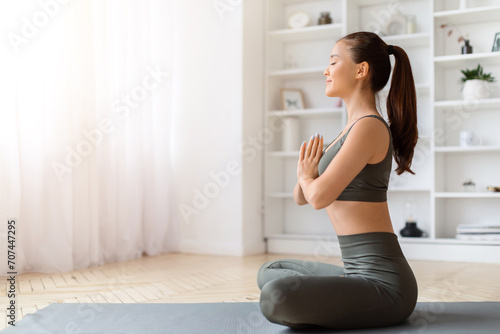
{"type": "Point", "coordinates": [309, 157]}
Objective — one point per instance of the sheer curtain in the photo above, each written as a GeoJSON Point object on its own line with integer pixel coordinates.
{"type": "Point", "coordinates": [84, 143]}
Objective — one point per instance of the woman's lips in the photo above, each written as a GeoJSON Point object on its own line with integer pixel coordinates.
{"type": "Point", "coordinates": [327, 82]}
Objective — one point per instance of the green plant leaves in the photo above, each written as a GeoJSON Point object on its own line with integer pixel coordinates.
{"type": "Point", "coordinates": [477, 73]}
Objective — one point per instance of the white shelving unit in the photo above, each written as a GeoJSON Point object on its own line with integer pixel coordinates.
{"type": "Point", "coordinates": [297, 59]}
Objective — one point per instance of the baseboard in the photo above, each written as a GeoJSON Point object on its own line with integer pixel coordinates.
{"type": "Point", "coordinates": [254, 248]}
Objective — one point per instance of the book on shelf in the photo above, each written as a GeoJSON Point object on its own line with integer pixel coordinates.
{"type": "Point", "coordinates": [479, 236]}
{"type": "Point", "coordinates": [478, 232]}
{"type": "Point", "coordinates": [478, 228]}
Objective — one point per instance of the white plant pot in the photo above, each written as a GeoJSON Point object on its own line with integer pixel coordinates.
{"type": "Point", "coordinates": [476, 89]}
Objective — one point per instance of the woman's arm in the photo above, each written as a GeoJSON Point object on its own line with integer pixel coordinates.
{"type": "Point", "coordinates": [298, 195]}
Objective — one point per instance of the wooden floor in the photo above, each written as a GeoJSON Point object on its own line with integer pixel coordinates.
{"type": "Point", "coordinates": [190, 278]}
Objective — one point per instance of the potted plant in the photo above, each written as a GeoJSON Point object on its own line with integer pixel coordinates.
{"type": "Point", "coordinates": [477, 85]}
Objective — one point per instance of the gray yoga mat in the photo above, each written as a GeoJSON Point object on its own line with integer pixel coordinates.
{"type": "Point", "coordinates": [239, 318]}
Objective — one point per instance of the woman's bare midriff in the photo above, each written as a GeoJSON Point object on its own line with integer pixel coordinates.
{"type": "Point", "coordinates": [350, 217]}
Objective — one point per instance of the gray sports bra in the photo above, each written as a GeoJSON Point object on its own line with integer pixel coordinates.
{"type": "Point", "coordinates": [370, 185]}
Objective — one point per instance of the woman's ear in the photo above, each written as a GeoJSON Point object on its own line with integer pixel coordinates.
{"type": "Point", "coordinates": [363, 69]}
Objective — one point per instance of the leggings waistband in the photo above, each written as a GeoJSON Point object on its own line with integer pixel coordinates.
{"type": "Point", "coordinates": [370, 243]}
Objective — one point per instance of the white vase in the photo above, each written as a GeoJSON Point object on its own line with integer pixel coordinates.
{"type": "Point", "coordinates": [476, 89]}
{"type": "Point", "coordinates": [291, 134]}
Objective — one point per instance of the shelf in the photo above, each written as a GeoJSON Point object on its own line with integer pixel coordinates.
{"type": "Point", "coordinates": [485, 58]}
{"type": "Point", "coordinates": [307, 112]}
{"type": "Point", "coordinates": [460, 149]}
{"type": "Point", "coordinates": [470, 15]}
{"type": "Point", "coordinates": [408, 40]}
{"type": "Point", "coordinates": [434, 68]}
{"type": "Point", "coordinates": [307, 72]}
{"type": "Point", "coordinates": [467, 195]}
{"type": "Point", "coordinates": [477, 104]}
{"type": "Point", "coordinates": [307, 34]}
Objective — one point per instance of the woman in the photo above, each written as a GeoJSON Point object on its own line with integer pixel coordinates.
{"type": "Point", "coordinates": [376, 287]}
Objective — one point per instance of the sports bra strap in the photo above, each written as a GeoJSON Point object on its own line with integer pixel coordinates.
{"type": "Point", "coordinates": [376, 116]}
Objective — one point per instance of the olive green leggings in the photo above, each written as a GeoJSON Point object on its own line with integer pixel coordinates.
{"type": "Point", "coordinates": [376, 287]}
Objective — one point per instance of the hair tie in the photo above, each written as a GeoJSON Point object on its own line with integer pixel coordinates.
{"type": "Point", "coordinates": [390, 49]}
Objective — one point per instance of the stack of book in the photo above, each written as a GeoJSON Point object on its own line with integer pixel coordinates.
{"type": "Point", "coordinates": [489, 232]}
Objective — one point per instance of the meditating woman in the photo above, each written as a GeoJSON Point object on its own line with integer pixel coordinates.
{"type": "Point", "coordinates": [349, 178]}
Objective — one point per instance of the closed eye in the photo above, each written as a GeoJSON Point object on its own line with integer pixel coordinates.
{"type": "Point", "coordinates": [332, 63]}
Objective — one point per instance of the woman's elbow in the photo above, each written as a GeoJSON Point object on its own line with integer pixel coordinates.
{"type": "Point", "coordinates": [299, 202]}
{"type": "Point", "coordinates": [320, 202]}
{"type": "Point", "coordinates": [317, 205]}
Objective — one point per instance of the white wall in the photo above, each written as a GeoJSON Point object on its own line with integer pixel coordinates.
{"type": "Point", "coordinates": [217, 191]}
{"type": "Point", "coordinates": [253, 132]}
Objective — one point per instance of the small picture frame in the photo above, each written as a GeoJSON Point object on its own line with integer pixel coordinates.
{"type": "Point", "coordinates": [496, 43]}
{"type": "Point", "coordinates": [292, 99]}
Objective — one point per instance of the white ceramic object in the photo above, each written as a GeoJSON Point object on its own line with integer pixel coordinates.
{"type": "Point", "coordinates": [411, 25]}
{"type": "Point", "coordinates": [476, 89]}
{"type": "Point", "coordinates": [468, 138]}
{"type": "Point", "coordinates": [395, 25]}
{"type": "Point", "coordinates": [291, 134]}
{"type": "Point", "coordinates": [298, 20]}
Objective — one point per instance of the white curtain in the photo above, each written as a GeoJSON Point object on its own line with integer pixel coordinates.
{"type": "Point", "coordinates": [84, 133]}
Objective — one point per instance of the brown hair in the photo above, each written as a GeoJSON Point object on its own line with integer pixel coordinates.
{"type": "Point", "coordinates": [401, 101]}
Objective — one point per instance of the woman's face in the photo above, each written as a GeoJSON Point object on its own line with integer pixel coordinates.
{"type": "Point", "coordinates": [341, 72]}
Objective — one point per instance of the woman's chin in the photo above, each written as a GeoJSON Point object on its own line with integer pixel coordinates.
{"type": "Point", "coordinates": [329, 93]}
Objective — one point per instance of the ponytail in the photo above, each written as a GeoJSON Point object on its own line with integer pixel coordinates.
{"type": "Point", "coordinates": [402, 111]}
{"type": "Point", "coordinates": [401, 101]}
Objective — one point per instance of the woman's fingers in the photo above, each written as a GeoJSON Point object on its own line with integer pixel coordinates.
{"type": "Point", "coordinates": [314, 148]}
{"type": "Point", "coordinates": [308, 148]}
{"type": "Point", "coordinates": [302, 150]}
{"type": "Point", "coordinates": [319, 151]}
